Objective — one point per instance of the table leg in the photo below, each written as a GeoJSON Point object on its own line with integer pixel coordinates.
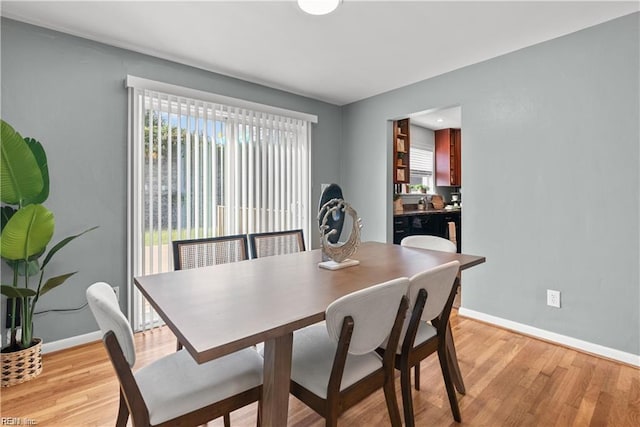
{"type": "Point", "coordinates": [277, 374]}
{"type": "Point", "coordinates": [454, 368]}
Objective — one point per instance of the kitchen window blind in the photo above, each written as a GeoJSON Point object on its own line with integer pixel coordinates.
{"type": "Point", "coordinates": [203, 165]}
{"type": "Point", "coordinates": [421, 162]}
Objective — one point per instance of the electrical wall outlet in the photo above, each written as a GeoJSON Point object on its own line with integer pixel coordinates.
{"type": "Point", "coordinates": [116, 290]}
{"type": "Point", "coordinates": [553, 298]}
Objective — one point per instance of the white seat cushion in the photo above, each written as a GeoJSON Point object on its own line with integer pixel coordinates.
{"type": "Point", "coordinates": [176, 384]}
{"type": "Point", "coordinates": [313, 354]}
{"type": "Point", "coordinates": [425, 332]}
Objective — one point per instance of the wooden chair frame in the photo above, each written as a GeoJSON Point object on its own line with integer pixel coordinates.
{"type": "Point", "coordinates": [254, 236]}
{"type": "Point", "coordinates": [177, 244]}
{"type": "Point", "coordinates": [338, 401]}
{"type": "Point", "coordinates": [411, 356]}
{"type": "Point", "coordinates": [132, 402]}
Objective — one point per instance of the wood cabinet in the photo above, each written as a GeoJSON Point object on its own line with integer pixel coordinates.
{"type": "Point", "coordinates": [448, 153]}
{"type": "Point", "coordinates": [433, 223]}
{"type": "Point", "coordinates": [401, 144]}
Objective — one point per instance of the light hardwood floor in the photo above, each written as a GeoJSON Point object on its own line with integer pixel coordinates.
{"type": "Point", "coordinates": [511, 380]}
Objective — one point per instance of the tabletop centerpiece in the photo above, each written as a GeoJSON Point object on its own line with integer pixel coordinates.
{"type": "Point", "coordinates": [331, 216]}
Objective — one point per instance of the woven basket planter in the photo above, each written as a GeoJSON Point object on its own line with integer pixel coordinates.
{"type": "Point", "coordinates": [22, 365]}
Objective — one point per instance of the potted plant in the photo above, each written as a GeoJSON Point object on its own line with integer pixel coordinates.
{"type": "Point", "coordinates": [419, 188]}
{"type": "Point", "coordinates": [26, 230]}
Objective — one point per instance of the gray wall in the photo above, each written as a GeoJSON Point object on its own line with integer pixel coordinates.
{"type": "Point", "coordinates": [550, 165]}
{"type": "Point", "coordinates": [69, 93]}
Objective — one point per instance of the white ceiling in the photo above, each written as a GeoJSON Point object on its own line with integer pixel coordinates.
{"type": "Point", "coordinates": [444, 118]}
{"type": "Point", "coordinates": [362, 49]}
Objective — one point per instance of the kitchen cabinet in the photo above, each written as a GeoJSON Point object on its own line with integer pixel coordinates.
{"type": "Point", "coordinates": [430, 223]}
{"type": "Point", "coordinates": [400, 228]}
{"type": "Point", "coordinates": [448, 162]}
{"type": "Point", "coordinates": [401, 144]}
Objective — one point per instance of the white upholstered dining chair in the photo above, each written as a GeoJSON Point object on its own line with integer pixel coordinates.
{"type": "Point", "coordinates": [431, 296]}
{"type": "Point", "coordinates": [334, 363]}
{"type": "Point", "coordinates": [434, 243]}
{"type": "Point", "coordinates": [424, 241]}
{"type": "Point", "coordinates": [173, 390]}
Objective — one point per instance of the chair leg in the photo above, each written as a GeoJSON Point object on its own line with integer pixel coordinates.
{"type": "Point", "coordinates": [448, 383]}
{"type": "Point", "coordinates": [331, 420]}
{"type": "Point", "coordinates": [178, 346]}
{"type": "Point", "coordinates": [452, 357]}
{"type": "Point", "coordinates": [416, 374]}
{"type": "Point", "coordinates": [123, 412]}
{"type": "Point", "coordinates": [227, 420]}
{"type": "Point", "coordinates": [259, 418]}
{"type": "Point", "coordinates": [392, 402]}
{"type": "Point", "coordinates": [407, 400]}
{"type": "Point", "coordinates": [332, 413]}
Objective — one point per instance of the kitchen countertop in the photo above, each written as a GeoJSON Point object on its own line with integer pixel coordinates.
{"type": "Point", "coordinates": [409, 212]}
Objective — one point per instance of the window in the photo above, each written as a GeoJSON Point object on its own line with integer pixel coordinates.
{"type": "Point", "coordinates": [422, 167]}
{"type": "Point", "coordinates": [203, 165]}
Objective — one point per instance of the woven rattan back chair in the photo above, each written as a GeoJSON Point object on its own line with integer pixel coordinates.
{"type": "Point", "coordinates": [194, 253]}
{"type": "Point", "coordinates": [276, 243]}
{"type": "Point", "coordinates": [209, 251]}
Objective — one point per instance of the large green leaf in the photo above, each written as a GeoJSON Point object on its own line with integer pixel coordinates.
{"type": "Point", "coordinates": [11, 292]}
{"type": "Point", "coordinates": [55, 282]}
{"type": "Point", "coordinates": [20, 176]}
{"type": "Point", "coordinates": [27, 233]}
{"type": "Point", "coordinates": [6, 212]}
{"type": "Point", "coordinates": [62, 244]}
{"type": "Point", "coordinates": [41, 159]}
{"type": "Point", "coordinates": [32, 267]}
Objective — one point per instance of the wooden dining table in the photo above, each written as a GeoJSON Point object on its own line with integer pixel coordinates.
{"type": "Point", "coordinates": [221, 309]}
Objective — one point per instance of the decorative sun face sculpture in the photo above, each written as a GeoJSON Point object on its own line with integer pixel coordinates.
{"type": "Point", "coordinates": [331, 220]}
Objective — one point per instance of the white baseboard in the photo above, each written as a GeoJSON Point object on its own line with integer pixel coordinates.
{"type": "Point", "coordinates": [63, 344]}
{"type": "Point", "coordinates": [610, 353]}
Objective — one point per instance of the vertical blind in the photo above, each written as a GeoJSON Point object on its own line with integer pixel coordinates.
{"type": "Point", "coordinates": [204, 169]}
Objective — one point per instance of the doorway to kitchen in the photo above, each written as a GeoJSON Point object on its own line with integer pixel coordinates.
{"type": "Point", "coordinates": [427, 175]}
{"type": "Point", "coordinates": [429, 134]}
{"type": "Point", "coordinates": [428, 144]}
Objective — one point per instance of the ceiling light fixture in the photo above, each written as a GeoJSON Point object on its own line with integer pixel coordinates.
{"type": "Point", "coordinates": [318, 7]}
